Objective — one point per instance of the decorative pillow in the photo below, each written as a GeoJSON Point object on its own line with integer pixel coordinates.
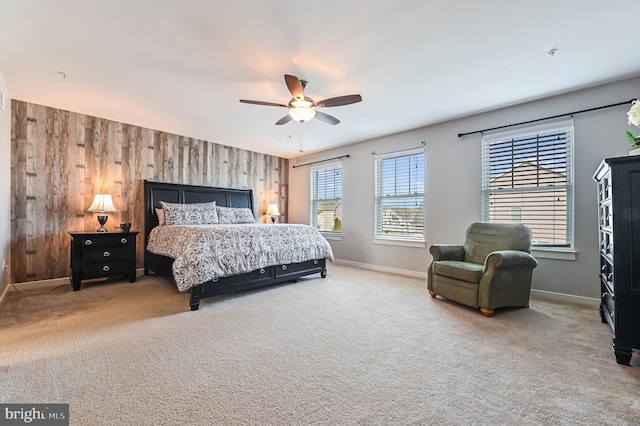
{"type": "Point", "coordinates": [190, 214]}
{"type": "Point", "coordinates": [235, 215]}
{"type": "Point", "coordinates": [161, 219]}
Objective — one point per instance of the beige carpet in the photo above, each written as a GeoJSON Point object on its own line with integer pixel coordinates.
{"type": "Point", "coordinates": [358, 347]}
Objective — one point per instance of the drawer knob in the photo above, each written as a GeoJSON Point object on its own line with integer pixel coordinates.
{"type": "Point", "coordinates": [105, 268]}
{"type": "Point", "coordinates": [262, 271]}
{"type": "Point", "coordinates": [106, 254]}
{"type": "Point", "coordinates": [88, 242]}
{"type": "Point", "coordinates": [123, 241]}
{"type": "Point", "coordinates": [284, 267]}
{"type": "Point", "coordinates": [215, 280]}
{"type": "Point", "coordinates": [315, 261]}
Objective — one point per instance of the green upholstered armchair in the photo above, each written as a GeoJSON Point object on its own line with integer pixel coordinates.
{"type": "Point", "coordinates": [492, 269]}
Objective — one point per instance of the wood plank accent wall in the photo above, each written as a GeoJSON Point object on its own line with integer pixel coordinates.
{"type": "Point", "coordinates": [61, 159]}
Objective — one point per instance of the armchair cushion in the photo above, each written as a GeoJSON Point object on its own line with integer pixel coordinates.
{"type": "Point", "coordinates": [465, 271]}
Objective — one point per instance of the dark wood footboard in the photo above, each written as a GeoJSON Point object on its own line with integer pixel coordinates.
{"type": "Point", "coordinates": [270, 275]}
{"type": "Point", "coordinates": [154, 192]}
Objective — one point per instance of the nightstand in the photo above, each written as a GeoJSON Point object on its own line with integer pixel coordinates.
{"type": "Point", "coordinates": [102, 255]}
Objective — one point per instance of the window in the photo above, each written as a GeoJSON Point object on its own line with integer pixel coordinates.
{"type": "Point", "coordinates": [326, 198]}
{"type": "Point", "coordinates": [399, 200]}
{"type": "Point", "coordinates": [527, 177]}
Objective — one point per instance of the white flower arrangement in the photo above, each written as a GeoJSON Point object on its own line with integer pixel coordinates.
{"type": "Point", "coordinates": [634, 118]}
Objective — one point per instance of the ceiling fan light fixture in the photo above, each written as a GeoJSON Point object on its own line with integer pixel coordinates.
{"type": "Point", "coordinates": [302, 114]}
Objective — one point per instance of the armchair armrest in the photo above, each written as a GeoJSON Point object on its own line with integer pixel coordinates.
{"type": "Point", "coordinates": [447, 252]}
{"type": "Point", "coordinates": [506, 280]}
{"type": "Point", "coordinates": [506, 258]}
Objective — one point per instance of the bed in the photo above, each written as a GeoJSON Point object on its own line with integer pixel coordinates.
{"type": "Point", "coordinates": [267, 274]}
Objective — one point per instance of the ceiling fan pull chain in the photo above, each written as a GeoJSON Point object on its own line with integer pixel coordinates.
{"type": "Point", "coordinates": [301, 149]}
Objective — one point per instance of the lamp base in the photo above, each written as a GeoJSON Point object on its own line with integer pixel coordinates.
{"type": "Point", "coordinates": [102, 219]}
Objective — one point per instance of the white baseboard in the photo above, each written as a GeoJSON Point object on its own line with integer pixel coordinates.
{"type": "Point", "coordinates": [406, 272]}
{"type": "Point", "coordinates": [42, 284]}
{"type": "Point", "coordinates": [565, 298]}
{"type": "Point", "coordinates": [6, 281]}
{"type": "Point", "coordinates": [4, 294]}
{"type": "Point", "coordinates": [55, 282]}
{"type": "Point", "coordinates": [541, 294]}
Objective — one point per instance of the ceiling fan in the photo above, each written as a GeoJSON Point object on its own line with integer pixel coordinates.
{"type": "Point", "coordinates": [303, 108]}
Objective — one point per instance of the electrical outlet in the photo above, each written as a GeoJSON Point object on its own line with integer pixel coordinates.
{"type": "Point", "coordinates": [4, 265]}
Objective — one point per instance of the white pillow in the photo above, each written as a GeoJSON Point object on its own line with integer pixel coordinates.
{"type": "Point", "coordinates": [235, 215]}
{"type": "Point", "coordinates": [190, 214]}
{"type": "Point", "coordinates": [162, 221]}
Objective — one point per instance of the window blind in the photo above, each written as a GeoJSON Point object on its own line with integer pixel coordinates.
{"type": "Point", "coordinates": [528, 178]}
{"type": "Point", "coordinates": [326, 198]}
{"type": "Point", "coordinates": [399, 201]}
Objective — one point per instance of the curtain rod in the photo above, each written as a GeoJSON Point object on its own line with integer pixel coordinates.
{"type": "Point", "coordinates": [546, 118]}
{"type": "Point", "coordinates": [321, 161]}
{"type": "Point", "coordinates": [402, 150]}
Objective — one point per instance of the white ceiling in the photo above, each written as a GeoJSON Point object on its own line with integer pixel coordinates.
{"type": "Point", "coordinates": [181, 66]}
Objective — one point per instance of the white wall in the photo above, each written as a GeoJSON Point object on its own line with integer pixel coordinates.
{"type": "Point", "coordinates": [5, 183]}
{"type": "Point", "coordinates": [453, 184]}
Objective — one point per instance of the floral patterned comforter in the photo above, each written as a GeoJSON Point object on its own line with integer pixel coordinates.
{"type": "Point", "coordinates": [206, 252]}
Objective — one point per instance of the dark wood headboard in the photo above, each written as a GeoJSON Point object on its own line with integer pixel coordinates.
{"type": "Point", "coordinates": [154, 192]}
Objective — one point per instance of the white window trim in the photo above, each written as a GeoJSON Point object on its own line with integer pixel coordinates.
{"type": "Point", "coordinates": [328, 235]}
{"type": "Point", "coordinates": [397, 242]}
{"type": "Point", "coordinates": [557, 253]}
{"type": "Point", "coordinates": [418, 242]}
{"type": "Point", "coordinates": [332, 235]}
{"type": "Point", "coordinates": [544, 251]}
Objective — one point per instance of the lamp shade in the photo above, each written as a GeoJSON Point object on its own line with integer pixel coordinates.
{"type": "Point", "coordinates": [102, 203]}
{"type": "Point", "coordinates": [273, 210]}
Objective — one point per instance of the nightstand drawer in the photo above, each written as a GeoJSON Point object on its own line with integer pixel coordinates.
{"type": "Point", "coordinates": [105, 254]}
{"type": "Point", "coordinates": [106, 241]}
{"type": "Point", "coordinates": [104, 269]}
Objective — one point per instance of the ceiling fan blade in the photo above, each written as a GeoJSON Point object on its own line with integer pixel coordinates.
{"type": "Point", "coordinates": [339, 101]}
{"type": "Point", "coordinates": [246, 101]}
{"type": "Point", "coordinates": [294, 86]}
{"type": "Point", "coordinates": [327, 118]}
{"type": "Point", "coordinates": [287, 118]}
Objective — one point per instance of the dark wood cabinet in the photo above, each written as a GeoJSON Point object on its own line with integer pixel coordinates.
{"type": "Point", "coordinates": [618, 182]}
{"type": "Point", "coordinates": [102, 255]}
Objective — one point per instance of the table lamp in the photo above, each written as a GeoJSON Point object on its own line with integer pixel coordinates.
{"type": "Point", "coordinates": [102, 203]}
{"type": "Point", "coordinates": [273, 212]}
